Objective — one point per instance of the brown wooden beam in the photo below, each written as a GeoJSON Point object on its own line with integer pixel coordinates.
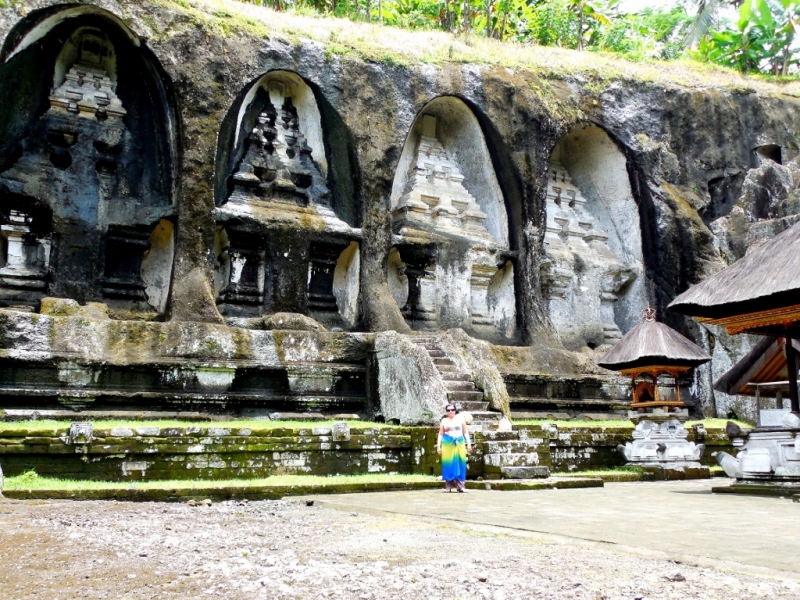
{"type": "Point", "coordinates": [791, 367]}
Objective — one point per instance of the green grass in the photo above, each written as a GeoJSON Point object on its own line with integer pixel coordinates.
{"type": "Point", "coordinates": [719, 423]}
{"type": "Point", "coordinates": [625, 423]}
{"type": "Point", "coordinates": [32, 481]}
{"type": "Point", "coordinates": [51, 425]}
{"type": "Point", "coordinates": [561, 424]}
{"type": "Point", "coordinates": [396, 46]}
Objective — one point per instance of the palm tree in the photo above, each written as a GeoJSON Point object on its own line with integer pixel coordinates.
{"type": "Point", "coordinates": [707, 12]}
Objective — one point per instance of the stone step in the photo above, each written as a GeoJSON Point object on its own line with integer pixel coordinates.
{"type": "Point", "coordinates": [436, 353]}
{"type": "Point", "coordinates": [430, 346]}
{"type": "Point", "coordinates": [520, 473]}
{"type": "Point", "coordinates": [458, 385]}
{"type": "Point", "coordinates": [496, 436]}
{"type": "Point", "coordinates": [454, 376]}
{"type": "Point", "coordinates": [472, 407]}
{"type": "Point", "coordinates": [443, 361]}
{"type": "Point", "coordinates": [485, 416]}
{"type": "Point", "coordinates": [461, 396]}
{"type": "Point", "coordinates": [423, 340]}
{"type": "Point", "coordinates": [511, 459]}
{"type": "Point", "coordinates": [447, 368]}
{"type": "Point", "coordinates": [509, 447]}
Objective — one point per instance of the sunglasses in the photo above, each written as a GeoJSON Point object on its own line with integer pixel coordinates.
{"type": "Point", "coordinates": [451, 409]}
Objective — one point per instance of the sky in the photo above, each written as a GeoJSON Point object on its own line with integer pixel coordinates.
{"type": "Point", "coordinates": [634, 5]}
{"type": "Point", "coordinates": [631, 6]}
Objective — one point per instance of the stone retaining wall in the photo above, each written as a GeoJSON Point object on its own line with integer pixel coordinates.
{"type": "Point", "coordinates": [584, 449]}
{"type": "Point", "coordinates": [215, 453]}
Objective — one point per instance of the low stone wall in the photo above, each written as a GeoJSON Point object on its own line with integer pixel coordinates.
{"type": "Point", "coordinates": [209, 453]}
{"type": "Point", "coordinates": [595, 448]}
{"type": "Point", "coordinates": [216, 453]}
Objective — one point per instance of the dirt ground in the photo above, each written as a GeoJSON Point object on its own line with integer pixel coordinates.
{"type": "Point", "coordinates": [59, 550]}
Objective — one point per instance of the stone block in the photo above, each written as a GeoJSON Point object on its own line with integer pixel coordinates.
{"type": "Point", "coordinates": [81, 433]}
{"type": "Point", "coordinates": [525, 472]}
{"type": "Point", "coordinates": [529, 459]}
{"type": "Point", "coordinates": [341, 432]}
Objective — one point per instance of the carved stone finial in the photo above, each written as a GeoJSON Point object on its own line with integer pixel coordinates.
{"type": "Point", "coordinates": [649, 314]}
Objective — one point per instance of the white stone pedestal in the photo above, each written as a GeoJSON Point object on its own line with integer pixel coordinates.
{"type": "Point", "coordinates": [660, 441]}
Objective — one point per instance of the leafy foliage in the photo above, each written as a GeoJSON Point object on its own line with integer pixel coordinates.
{"type": "Point", "coordinates": [760, 41]}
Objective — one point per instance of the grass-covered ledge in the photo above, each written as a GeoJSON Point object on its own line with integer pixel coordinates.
{"type": "Point", "coordinates": [32, 481]}
{"type": "Point", "coordinates": [232, 425]}
{"type": "Point", "coordinates": [32, 486]}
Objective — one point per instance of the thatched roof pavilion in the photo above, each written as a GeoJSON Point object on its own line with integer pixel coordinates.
{"type": "Point", "coordinates": [653, 348]}
{"type": "Point", "coordinates": [652, 343]}
{"type": "Point", "coordinates": [759, 293]}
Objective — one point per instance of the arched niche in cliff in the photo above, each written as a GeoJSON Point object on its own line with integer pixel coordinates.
{"type": "Point", "coordinates": [89, 130]}
{"type": "Point", "coordinates": [329, 146]}
{"type": "Point", "coordinates": [593, 273]}
{"type": "Point", "coordinates": [446, 148]}
{"type": "Point", "coordinates": [453, 266]}
{"type": "Point", "coordinates": [286, 200]}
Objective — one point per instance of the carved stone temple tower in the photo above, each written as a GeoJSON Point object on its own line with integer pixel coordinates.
{"type": "Point", "coordinates": [451, 266]}
{"type": "Point", "coordinates": [280, 243]}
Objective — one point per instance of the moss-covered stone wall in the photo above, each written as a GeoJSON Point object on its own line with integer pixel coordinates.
{"type": "Point", "coordinates": [130, 454]}
{"type": "Point", "coordinates": [216, 453]}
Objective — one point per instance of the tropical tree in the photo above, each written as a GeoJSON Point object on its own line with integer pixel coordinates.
{"type": "Point", "coordinates": [760, 41]}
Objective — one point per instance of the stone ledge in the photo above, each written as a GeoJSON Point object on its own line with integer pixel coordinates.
{"type": "Point", "coordinates": [761, 489]}
{"type": "Point", "coordinates": [507, 485]}
{"type": "Point", "coordinates": [220, 493]}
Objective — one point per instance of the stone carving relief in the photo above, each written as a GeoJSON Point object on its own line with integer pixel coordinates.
{"type": "Point", "coordinates": [583, 277]}
{"type": "Point", "coordinates": [593, 275]}
{"type": "Point", "coordinates": [452, 230]}
{"type": "Point", "coordinates": [280, 242]}
{"type": "Point", "coordinates": [25, 258]}
{"type": "Point", "coordinates": [435, 195]}
{"type": "Point", "coordinates": [277, 165]}
{"type": "Point", "coordinates": [84, 163]}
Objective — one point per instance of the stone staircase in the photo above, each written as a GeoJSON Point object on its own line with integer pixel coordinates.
{"type": "Point", "coordinates": [508, 456]}
{"type": "Point", "coordinates": [460, 390]}
{"type": "Point", "coordinates": [505, 454]}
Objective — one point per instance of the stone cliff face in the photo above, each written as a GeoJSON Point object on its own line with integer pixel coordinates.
{"type": "Point", "coordinates": [181, 164]}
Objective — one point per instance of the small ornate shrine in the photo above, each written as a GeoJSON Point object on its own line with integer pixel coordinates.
{"type": "Point", "coordinates": [649, 351]}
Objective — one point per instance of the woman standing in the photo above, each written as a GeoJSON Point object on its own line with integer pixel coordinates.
{"type": "Point", "coordinates": [452, 445]}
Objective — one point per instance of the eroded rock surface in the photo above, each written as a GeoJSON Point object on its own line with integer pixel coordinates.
{"type": "Point", "coordinates": [539, 211]}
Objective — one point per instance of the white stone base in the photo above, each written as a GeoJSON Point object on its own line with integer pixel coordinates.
{"type": "Point", "coordinates": [767, 454]}
{"type": "Point", "coordinates": [661, 440]}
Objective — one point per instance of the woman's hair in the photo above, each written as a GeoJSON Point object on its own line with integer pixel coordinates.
{"type": "Point", "coordinates": [449, 405]}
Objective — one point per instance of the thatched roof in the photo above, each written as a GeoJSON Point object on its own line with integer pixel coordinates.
{"type": "Point", "coordinates": [653, 343]}
{"type": "Point", "coordinates": [766, 278]}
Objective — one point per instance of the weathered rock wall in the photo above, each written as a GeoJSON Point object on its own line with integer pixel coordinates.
{"type": "Point", "coordinates": [682, 144]}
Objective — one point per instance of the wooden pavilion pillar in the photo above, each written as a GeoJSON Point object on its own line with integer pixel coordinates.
{"type": "Point", "coordinates": [791, 368]}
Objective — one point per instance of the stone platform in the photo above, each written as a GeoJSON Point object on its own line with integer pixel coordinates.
{"type": "Point", "coordinates": [685, 521]}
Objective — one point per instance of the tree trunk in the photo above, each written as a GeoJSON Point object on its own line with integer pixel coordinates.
{"type": "Point", "coordinates": [580, 29]}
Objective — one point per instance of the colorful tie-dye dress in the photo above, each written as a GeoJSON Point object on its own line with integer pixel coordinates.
{"type": "Point", "coordinates": [454, 451]}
